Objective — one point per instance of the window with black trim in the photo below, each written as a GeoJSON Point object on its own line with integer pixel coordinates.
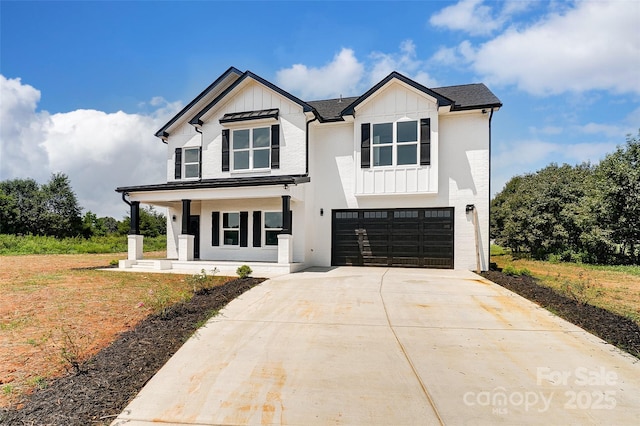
{"type": "Point", "coordinates": [272, 227]}
{"type": "Point", "coordinates": [231, 229]}
{"type": "Point", "coordinates": [251, 148]}
{"type": "Point", "coordinates": [395, 143]}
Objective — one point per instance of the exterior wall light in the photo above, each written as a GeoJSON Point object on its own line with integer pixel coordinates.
{"type": "Point", "coordinates": [321, 212]}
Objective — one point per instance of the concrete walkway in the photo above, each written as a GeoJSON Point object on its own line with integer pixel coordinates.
{"type": "Point", "coordinates": [376, 346]}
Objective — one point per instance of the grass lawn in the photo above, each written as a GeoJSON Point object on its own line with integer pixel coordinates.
{"type": "Point", "coordinates": [54, 311]}
{"type": "Point", "coordinates": [615, 288]}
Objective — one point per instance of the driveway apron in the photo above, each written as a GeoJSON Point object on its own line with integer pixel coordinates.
{"type": "Point", "coordinates": [379, 346]}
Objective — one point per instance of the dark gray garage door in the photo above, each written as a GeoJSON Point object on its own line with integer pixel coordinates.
{"type": "Point", "coordinates": [393, 237]}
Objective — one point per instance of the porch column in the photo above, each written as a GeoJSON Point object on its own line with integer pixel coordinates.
{"type": "Point", "coordinates": [186, 212]}
{"type": "Point", "coordinates": [135, 241]}
{"type": "Point", "coordinates": [134, 223]}
{"type": "Point", "coordinates": [285, 239]}
{"type": "Point", "coordinates": [185, 241]}
{"type": "Point", "coordinates": [286, 214]}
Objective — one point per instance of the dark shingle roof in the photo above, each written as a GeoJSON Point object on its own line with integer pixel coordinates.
{"type": "Point", "coordinates": [330, 109]}
{"type": "Point", "coordinates": [469, 96]}
{"type": "Point", "coordinates": [463, 97]}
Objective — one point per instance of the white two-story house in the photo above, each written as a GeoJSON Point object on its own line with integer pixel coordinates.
{"type": "Point", "coordinates": [396, 177]}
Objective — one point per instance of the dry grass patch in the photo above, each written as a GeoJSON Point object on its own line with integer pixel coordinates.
{"type": "Point", "coordinates": [56, 313]}
{"type": "Point", "coordinates": [616, 289]}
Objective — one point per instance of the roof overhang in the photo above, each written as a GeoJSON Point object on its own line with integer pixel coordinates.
{"type": "Point", "coordinates": [236, 182]}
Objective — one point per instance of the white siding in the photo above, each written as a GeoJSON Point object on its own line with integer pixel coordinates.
{"type": "Point", "coordinates": [397, 102]}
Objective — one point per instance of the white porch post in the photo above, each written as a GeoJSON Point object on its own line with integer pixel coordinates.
{"type": "Point", "coordinates": [285, 248]}
{"type": "Point", "coordinates": [135, 245]}
{"type": "Point", "coordinates": [185, 247]}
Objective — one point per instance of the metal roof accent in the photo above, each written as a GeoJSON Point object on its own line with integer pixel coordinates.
{"type": "Point", "coordinates": [248, 74]}
{"type": "Point", "coordinates": [250, 115]}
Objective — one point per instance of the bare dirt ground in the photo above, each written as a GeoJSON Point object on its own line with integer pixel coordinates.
{"type": "Point", "coordinates": [104, 384]}
{"type": "Point", "coordinates": [56, 310]}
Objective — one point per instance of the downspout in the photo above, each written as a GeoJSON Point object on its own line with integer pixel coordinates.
{"type": "Point", "coordinates": [307, 146]}
{"type": "Point", "coordinates": [124, 194]}
{"type": "Point", "coordinates": [489, 236]}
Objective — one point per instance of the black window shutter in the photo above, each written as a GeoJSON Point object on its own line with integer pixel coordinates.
{"type": "Point", "coordinates": [365, 146]}
{"type": "Point", "coordinates": [275, 146]}
{"type": "Point", "coordinates": [244, 228]}
{"type": "Point", "coordinates": [178, 174]}
{"type": "Point", "coordinates": [257, 229]}
{"type": "Point", "coordinates": [425, 141]}
{"type": "Point", "coordinates": [215, 228]}
{"type": "Point", "coordinates": [225, 150]}
{"type": "Point", "coordinates": [200, 163]}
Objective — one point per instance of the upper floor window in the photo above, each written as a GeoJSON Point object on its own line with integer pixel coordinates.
{"type": "Point", "coordinates": [192, 162]}
{"type": "Point", "coordinates": [251, 148]}
{"type": "Point", "coordinates": [395, 143]}
{"type": "Point", "coordinates": [187, 163]}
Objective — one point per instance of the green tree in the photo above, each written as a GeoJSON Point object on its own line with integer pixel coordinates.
{"type": "Point", "coordinates": [61, 217]}
{"type": "Point", "coordinates": [152, 223]}
{"type": "Point", "coordinates": [22, 207]}
{"type": "Point", "coordinates": [619, 187]}
{"type": "Point", "coordinates": [545, 212]}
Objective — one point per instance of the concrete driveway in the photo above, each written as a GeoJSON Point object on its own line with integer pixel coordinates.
{"type": "Point", "coordinates": [377, 346]}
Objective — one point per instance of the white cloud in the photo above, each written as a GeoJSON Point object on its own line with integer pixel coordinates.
{"type": "Point", "coordinates": [592, 46]}
{"type": "Point", "coordinates": [347, 76]}
{"type": "Point", "coordinates": [475, 17]}
{"type": "Point", "coordinates": [97, 150]}
{"type": "Point", "coordinates": [339, 77]}
{"type": "Point", "coordinates": [22, 131]}
{"type": "Point", "coordinates": [405, 62]}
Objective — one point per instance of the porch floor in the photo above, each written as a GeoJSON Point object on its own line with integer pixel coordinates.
{"type": "Point", "coordinates": [227, 268]}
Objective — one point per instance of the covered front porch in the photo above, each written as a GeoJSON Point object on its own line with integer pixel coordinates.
{"type": "Point", "coordinates": [222, 228]}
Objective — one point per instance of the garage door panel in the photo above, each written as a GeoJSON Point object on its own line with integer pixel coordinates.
{"type": "Point", "coordinates": [393, 237]}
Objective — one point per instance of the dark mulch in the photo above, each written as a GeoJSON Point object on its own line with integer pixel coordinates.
{"type": "Point", "coordinates": [110, 380]}
{"type": "Point", "coordinates": [615, 329]}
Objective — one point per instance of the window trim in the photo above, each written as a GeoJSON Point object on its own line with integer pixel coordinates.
{"type": "Point", "coordinates": [265, 228]}
{"type": "Point", "coordinates": [394, 144]}
{"type": "Point", "coordinates": [250, 149]}
{"type": "Point", "coordinates": [222, 227]}
{"type": "Point", "coordinates": [185, 163]}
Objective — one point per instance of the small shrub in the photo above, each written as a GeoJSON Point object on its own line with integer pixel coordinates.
{"type": "Point", "coordinates": [199, 281]}
{"type": "Point", "coordinates": [582, 291]}
{"type": "Point", "coordinates": [114, 262]}
{"type": "Point", "coordinates": [244, 271]}
{"type": "Point", "coordinates": [73, 348]}
{"type": "Point", "coordinates": [516, 272]}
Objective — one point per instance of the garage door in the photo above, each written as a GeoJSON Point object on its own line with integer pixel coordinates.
{"type": "Point", "coordinates": [393, 237]}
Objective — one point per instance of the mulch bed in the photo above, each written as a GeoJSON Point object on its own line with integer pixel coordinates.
{"type": "Point", "coordinates": [111, 379]}
{"type": "Point", "coordinates": [613, 328]}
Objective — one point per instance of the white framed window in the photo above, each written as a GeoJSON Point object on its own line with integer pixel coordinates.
{"type": "Point", "coordinates": [272, 227]}
{"type": "Point", "coordinates": [231, 229]}
{"type": "Point", "coordinates": [395, 143]}
{"type": "Point", "coordinates": [191, 162]}
{"type": "Point", "coordinates": [251, 148]}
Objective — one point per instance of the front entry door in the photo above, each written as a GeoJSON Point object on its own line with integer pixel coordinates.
{"type": "Point", "coordinates": [194, 229]}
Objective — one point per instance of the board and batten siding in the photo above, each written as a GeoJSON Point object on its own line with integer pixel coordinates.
{"type": "Point", "coordinates": [393, 103]}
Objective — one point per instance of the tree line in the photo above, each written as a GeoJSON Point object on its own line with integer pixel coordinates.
{"type": "Point", "coordinates": [52, 209]}
{"type": "Point", "coordinates": [584, 213]}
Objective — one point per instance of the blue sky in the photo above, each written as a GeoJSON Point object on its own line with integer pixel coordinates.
{"type": "Point", "coordinates": [84, 85]}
